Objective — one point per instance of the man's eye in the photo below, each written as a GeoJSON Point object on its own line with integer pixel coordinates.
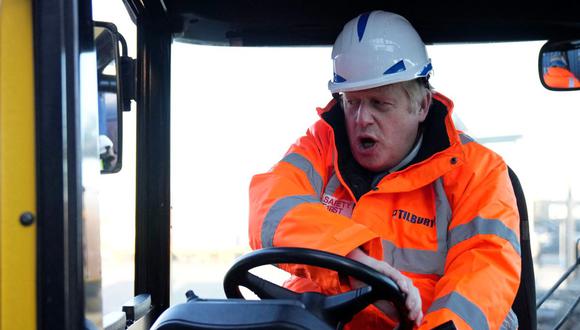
{"type": "Point", "coordinates": [351, 103]}
{"type": "Point", "coordinates": [381, 105]}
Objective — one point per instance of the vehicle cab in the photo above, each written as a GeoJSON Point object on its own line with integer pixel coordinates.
{"type": "Point", "coordinates": [130, 131]}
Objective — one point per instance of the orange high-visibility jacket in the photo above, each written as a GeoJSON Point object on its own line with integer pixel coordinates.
{"type": "Point", "coordinates": [448, 220]}
{"type": "Point", "coordinates": [560, 78]}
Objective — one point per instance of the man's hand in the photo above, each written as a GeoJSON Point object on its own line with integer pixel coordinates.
{"type": "Point", "coordinates": [413, 301]}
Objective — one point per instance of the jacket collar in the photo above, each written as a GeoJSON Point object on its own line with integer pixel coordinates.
{"type": "Point", "coordinates": [439, 152]}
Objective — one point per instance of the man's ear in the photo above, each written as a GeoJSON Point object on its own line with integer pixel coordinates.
{"type": "Point", "coordinates": [425, 105]}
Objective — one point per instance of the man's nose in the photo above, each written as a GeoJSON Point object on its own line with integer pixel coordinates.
{"type": "Point", "coordinates": [363, 115]}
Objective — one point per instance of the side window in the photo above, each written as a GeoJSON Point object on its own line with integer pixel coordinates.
{"type": "Point", "coordinates": [117, 191]}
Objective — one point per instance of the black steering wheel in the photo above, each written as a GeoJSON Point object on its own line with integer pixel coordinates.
{"type": "Point", "coordinates": [336, 310]}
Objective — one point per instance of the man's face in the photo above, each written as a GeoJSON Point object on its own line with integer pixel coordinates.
{"type": "Point", "coordinates": [382, 125]}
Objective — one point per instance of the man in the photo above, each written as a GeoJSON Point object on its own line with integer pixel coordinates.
{"type": "Point", "coordinates": [385, 178]}
{"type": "Point", "coordinates": [107, 153]}
{"type": "Point", "coordinates": [558, 76]}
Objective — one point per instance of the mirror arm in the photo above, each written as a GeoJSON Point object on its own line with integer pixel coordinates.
{"type": "Point", "coordinates": [128, 79]}
{"type": "Point", "coordinates": [123, 44]}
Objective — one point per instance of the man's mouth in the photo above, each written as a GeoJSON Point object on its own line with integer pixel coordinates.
{"type": "Point", "coordinates": [367, 142]}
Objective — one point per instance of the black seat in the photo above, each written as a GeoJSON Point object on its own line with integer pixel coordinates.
{"type": "Point", "coordinates": [525, 303]}
{"type": "Point", "coordinates": [239, 314]}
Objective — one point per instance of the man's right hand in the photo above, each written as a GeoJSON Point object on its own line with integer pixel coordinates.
{"type": "Point", "coordinates": [413, 301]}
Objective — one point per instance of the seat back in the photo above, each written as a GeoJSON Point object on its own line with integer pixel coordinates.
{"type": "Point", "coordinates": [525, 303]}
{"type": "Point", "coordinates": [239, 314]}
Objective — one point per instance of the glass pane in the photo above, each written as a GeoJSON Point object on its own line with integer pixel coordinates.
{"type": "Point", "coordinates": [117, 191]}
{"type": "Point", "coordinates": [236, 111]}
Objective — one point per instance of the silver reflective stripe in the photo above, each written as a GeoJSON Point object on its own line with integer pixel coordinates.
{"type": "Point", "coordinates": [465, 138]}
{"type": "Point", "coordinates": [480, 226]}
{"type": "Point", "coordinates": [571, 82]}
{"type": "Point", "coordinates": [277, 212]}
{"type": "Point", "coordinates": [306, 166]}
{"type": "Point", "coordinates": [461, 306]}
{"type": "Point", "coordinates": [424, 261]}
{"type": "Point", "coordinates": [413, 260]}
{"type": "Point", "coordinates": [332, 185]}
{"type": "Point", "coordinates": [510, 322]}
{"type": "Point", "coordinates": [442, 216]}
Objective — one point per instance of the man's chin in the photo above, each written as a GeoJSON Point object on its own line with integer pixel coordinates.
{"type": "Point", "coordinates": [372, 166]}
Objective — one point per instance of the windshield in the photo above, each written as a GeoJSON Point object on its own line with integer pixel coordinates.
{"type": "Point", "coordinates": [235, 112]}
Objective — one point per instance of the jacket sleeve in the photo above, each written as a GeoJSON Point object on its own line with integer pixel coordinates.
{"type": "Point", "coordinates": [483, 264]}
{"type": "Point", "coordinates": [286, 208]}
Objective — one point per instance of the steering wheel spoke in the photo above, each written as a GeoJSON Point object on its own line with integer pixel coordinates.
{"type": "Point", "coordinates": [349, 303]}
{"type": "Point", "coordinates": [265, 289]}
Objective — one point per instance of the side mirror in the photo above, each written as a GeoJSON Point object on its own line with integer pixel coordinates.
{"type": "Point", "coordinates": [116, 85]}
{"type": "Point", "coordinates": [559, 65]}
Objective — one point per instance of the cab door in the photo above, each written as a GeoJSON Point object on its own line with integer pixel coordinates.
{"type": "Point", "coordinates": [17, 168]}
{"type": "Point", "coordinates": [65, 105]}
{"type": "Point", "coordinates": [47, 105]}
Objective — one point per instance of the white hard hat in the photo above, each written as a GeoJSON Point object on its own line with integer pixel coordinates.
{"type": "Point", "coordinates": [375, 49]}
{"type": "Point", "coordinates": [558, 60]}
{"type": "Point", "coordinates": [104, 143]}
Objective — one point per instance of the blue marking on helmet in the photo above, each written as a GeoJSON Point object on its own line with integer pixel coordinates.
{"type": "Point", "coordinates": [362, 25]}
{"type": "Point", "coordinates": [338, 79]}
{"type": "Point", "coordinates": [426, 70]}
{"type": "Point", "coordinates": [397, 67]}
{"type": "Point", "coordinates": [558, 63]}
{"type": "Point", "coordinates": [558, 60]}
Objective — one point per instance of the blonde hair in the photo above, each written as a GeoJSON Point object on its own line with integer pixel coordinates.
{"type": "Point", "coordinates": [415, 89]}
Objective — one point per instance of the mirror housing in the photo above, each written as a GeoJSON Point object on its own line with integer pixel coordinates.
{"type": "Point", "coordinates": [116, 89]}
{"type": "Point", "coordinates": [559, 65]}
